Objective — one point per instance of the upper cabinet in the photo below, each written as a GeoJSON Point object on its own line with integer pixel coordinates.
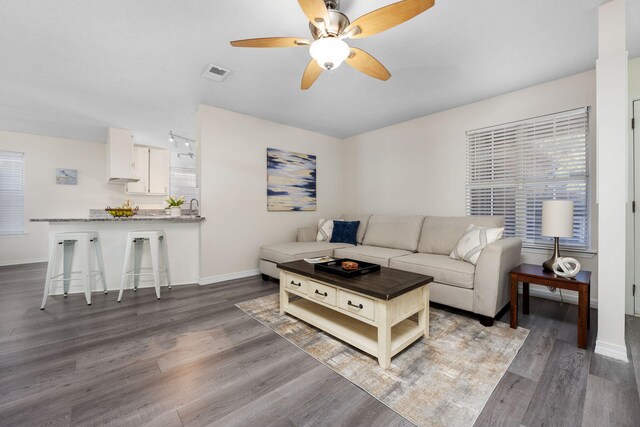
{"type": "Point", "coordinates": [140, 171]}
{"type": "Point", "coordinates": [159, 166]}
{"type": "Point", "coordinates": [151, 167]}
{"type": "Point", "coordinates": [120, 156]}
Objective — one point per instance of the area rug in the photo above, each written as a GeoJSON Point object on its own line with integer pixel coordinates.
{"type": "Point", "coordinates": [444, 380]}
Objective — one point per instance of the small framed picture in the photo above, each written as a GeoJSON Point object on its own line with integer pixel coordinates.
{"type": "Point", "coordinates": [67, 176]}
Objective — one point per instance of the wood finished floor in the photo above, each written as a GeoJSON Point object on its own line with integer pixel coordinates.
{"type": "Point", "coordinates": [193, 358]}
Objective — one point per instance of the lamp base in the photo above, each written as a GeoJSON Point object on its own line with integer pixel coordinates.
{"type": "Point", "coordinates": [548, 264]}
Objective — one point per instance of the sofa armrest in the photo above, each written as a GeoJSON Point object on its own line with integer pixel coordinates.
{"type": "Point", "coordinates": [491, 284]}
{"type": "Point", "coordinates": [307, 234]}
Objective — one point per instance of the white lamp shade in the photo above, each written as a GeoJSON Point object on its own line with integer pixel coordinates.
{"type": "Point", "coordinates": [329, 52]}
{"type": "Point", "coordinates": [557, 218]}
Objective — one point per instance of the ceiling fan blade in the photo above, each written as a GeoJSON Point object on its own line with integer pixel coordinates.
{"type": "Point", "coordinates": [387, 17]}
{"type": "Point", "coordinates": [316, 12]}
{"type": "Point", "coordinates": [311, 74]}
{"type": "Point", "coordinates": [365, 63]}
{"type": "Point", "coordinates": [271, 42]}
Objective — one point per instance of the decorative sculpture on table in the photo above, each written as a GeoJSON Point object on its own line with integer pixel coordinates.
{"type": "Point", "coordinates": [566, 267]}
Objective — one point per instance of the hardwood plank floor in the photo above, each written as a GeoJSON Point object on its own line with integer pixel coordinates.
{"type": "Point", "coordinates": [194, 359]}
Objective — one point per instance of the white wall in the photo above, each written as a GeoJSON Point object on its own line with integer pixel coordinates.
{"type": "Point", "coordinates": [634, 77]}
{"type": "Point", "coordinates": [418, 167]}
{"type": "Point", "coordinates": [233, 178]}
{"type": "Point", "coordinates": [45, 199]}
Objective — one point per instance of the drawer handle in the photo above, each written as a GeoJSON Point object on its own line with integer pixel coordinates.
{"type": "Point", "coordinates": [360, 306]}
{"type": "Point", "coordinates": [296, 284]}
{"type": "Point", "coordinates": [321, 294]}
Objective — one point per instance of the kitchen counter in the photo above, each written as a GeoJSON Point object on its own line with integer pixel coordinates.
{"type": "Point", "coordinates": [135, 218]}
{"type": "Point", "coordinates": [182, 234]}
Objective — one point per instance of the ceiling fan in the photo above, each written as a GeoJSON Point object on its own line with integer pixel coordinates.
{"type": "Point", "coordinates": [329, 27]}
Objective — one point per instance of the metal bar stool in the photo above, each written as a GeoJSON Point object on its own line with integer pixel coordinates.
{"type": "Point", "coordinates": [135, 241]}
{"type": "Point", "coordinates": [68, 242]}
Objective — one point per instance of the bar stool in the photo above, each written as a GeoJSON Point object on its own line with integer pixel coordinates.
{"type": "Point", "coordinates": [136, 240]}
{"type": "Point", "coordinates": [69, 241]}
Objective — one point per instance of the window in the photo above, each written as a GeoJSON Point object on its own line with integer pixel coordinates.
{"type": "Point", "coordinates": [183, 179]}
{"type": "Point", "coordinates": [513, 168]}
{"type": "Point", "coordinates": [11, 193]}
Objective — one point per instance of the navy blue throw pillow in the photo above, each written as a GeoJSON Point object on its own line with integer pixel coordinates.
{"type": "Point", "coordinates": [345, 232]}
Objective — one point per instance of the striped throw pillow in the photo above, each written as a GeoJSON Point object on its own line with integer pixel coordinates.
{"type": "Point", "coordinates": [325, 229]}
{"type": "Point", "coordinates": [473, 241]}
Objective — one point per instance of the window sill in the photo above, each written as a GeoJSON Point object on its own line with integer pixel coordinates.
{"type": "Point", "coordinates": [580, 253]}
{"type": "Point", "coordinates": [7, 236]}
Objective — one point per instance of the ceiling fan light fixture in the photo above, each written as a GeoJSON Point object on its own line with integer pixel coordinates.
{"type": "Point", "coordinates": [329, 52]}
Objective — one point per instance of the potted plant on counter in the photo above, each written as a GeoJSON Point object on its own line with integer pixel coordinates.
{"type": "Point", "coordinates": [174, 205]}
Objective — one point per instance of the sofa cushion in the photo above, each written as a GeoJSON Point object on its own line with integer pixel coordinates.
{"type": "Point", "coordinates": [293, 251]}
{"type": "Point", "coordinates": [362, 228]}
{"type": "Point", "coordinates": [397, 232]}
{"type": "Point", "coordinates": [374, 254]}
{"type": "Point", "coordinates": [441, 234]}
{"type": "Point", "coordinates": [441, 267]}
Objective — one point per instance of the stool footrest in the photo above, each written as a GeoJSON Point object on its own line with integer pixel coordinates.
{"type": "Point", "coordinates": [60, 277]}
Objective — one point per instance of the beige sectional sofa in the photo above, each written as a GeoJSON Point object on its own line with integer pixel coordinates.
{"type": "Point", "coordinates": [422, 245]}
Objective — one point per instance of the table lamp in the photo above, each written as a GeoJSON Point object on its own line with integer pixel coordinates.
{"type": "Point", "coordinates": [557, 221]}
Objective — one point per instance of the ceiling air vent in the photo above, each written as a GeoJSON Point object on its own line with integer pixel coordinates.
{"type": "Point", "coordinates": [214, 72]}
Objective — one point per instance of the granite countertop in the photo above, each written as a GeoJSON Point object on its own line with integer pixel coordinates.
{"type": "Point", "coordinates": [135, 218]}
{"type": "Point", "coordinates": [100, 215]}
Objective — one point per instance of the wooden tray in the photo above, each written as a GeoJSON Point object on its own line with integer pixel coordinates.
{"type": "Point", "coordinates": [335, 267]}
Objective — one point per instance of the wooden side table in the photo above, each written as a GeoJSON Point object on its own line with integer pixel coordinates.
{"type": "Point", "coordinates": [529, 273]}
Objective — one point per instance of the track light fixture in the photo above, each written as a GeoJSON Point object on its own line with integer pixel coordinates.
{"type": "Point", "coordinates": [173, 137]}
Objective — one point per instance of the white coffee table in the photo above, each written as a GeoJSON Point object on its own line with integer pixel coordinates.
{"type": "Point", "coordinates": [370, 312]}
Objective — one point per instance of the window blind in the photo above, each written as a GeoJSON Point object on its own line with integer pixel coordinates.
{"type": "Point", "coordinates": [183, 177]}
{"type": "Point", "coordinates": [11, 193]}
{"type": "Point", "coordinates": [513, 168]}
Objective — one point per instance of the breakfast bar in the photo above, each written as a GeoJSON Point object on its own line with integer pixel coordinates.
{"type": "Point", "coordinates": [182, 238]}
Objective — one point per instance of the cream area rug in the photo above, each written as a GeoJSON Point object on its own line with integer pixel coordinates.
{"type": "Point", "coordinates": [444, 380]}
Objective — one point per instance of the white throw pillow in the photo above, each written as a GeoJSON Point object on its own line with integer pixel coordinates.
{"type": "Point", "coordinates": [325, 230]}
{"type": "Point", "coordinates": [473, 241]}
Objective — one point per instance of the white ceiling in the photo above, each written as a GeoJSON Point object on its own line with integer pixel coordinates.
{"type": "Point", "coordinates": [71, 68]}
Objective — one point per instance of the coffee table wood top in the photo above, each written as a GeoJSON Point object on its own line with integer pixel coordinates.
{"type": "Point", "coordinates": [386, 284]}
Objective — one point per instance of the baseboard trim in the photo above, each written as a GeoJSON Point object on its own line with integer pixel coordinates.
{"type": "Point", "coordinates": [229, 276]}
{"type": "Point", "coordinates": [567, 296]}
{"type": "Point", "coordinates": [613, 351]}
{"type": "Point", "coordinates": [23, 261]}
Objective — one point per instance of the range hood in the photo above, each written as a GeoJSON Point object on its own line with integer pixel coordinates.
{"type": "Point", "coordinates": [120, 157]}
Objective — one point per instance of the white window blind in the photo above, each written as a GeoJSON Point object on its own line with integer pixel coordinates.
{"type": "Point", "coordinates": [11, 193]}
{"type": "Point", "coordinates": [513, 168]}
{"type": "Point", "coordinates": [183, 178]}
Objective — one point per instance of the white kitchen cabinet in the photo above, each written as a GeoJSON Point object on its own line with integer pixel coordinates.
{"type": "Point", "coordinates": [151, 165]}
{"type": "Point", "coordinates": [120, 156]}
{"type": "Point", "coordinates": [159, 164]}
{"type": "Point", "coordinates": [140, 171]}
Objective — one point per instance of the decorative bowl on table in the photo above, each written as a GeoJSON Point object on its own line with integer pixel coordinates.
{"type": "Point", "coordinates": [349, 265]}
{"type": "Point", "coordinates": [122, 212]}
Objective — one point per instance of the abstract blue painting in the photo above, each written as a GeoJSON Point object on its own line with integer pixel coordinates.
{"type": "Point", "coordinates": [291, 181]}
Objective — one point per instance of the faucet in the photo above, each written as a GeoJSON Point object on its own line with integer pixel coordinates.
{"type": "Point", "coordinates": [191, 205]}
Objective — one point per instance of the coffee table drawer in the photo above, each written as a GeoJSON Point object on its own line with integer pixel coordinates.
{"type": "Point", "coordinates": [324, 293]}
{"type": "Point", "coordinates": [357, 304]}
{"type": "Point", "coordinates": [296, 283]}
